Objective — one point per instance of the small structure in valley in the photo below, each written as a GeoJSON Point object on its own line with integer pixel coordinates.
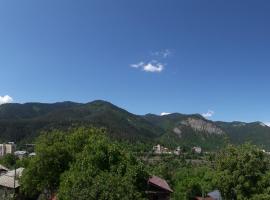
{"type": "Point", "coordinates": [9, 183]}
{"type": "Point", "coordinates": [214, 195]}
{"type": "Point", "coordinates": [158, 149]}
{"type": "Point", "coordinates": [177, 151]}
{"type": "Point", "coordinates": [196, 150]}
{"type": "Point", "coordinates": [3, 170]}
{"type": "Point", "coordinates": [158, 189]}
{"type": "Point", "coordinates": [8, 148]}
{"type": "Point", "coordinates": [20, 154]}
{"type": "Point", "coordinates": [32, 154]}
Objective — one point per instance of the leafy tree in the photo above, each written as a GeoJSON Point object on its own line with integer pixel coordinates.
{"type": "Point", "coordinates": [54, 153]}
{"type": "Point", "coordinates": [241, 172]}
{"type": "Point", "coordinates": [94, 160]}
{"type": "Point", "coordinates": [24, 162]}
{"type": "Point", "coordinates": [8, 160]}
{"type": "Point", "coordinates": [165, 166]}
{"type": "Point", "coordinates": [43, 171]}
{"type": "Point", "coordinates": [105, 171]}
{"type": "Point", "coordinates": [191, 182]}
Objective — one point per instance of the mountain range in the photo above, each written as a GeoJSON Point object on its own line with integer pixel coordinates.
{"type": "Point", "coordinates": [24, 122]}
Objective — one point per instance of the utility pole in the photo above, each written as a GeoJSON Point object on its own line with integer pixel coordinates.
{"type": "Point", "coordinates": [14, 196]}
{"type": "Point", "coordinates": [15, 174]}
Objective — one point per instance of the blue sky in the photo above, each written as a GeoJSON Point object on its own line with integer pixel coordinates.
{"type": "Point", "coordinates": [147, 56]}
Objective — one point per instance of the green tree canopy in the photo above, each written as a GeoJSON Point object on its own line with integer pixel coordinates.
{"type": "Point", "coordinates": [242, 172]}
{"type": "Point", "coordinates": [105, 171]}
{"type": "Point", "coordinates": [8, 160]}
{"type": "Point", "coordinates": [192, 182]}
{"type": "Point", "coordinates": [85, 164]}
{"type": "Point", "coordinates": [54, 153]}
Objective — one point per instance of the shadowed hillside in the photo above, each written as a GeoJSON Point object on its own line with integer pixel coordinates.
{"type": "Point", "coordinates": [23, 122]}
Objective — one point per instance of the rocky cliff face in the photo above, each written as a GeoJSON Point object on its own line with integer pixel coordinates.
{"type": "Point", "coordinates": [199, 125]}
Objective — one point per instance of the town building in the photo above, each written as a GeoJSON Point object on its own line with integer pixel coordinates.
{"type": "Point", "coordinates": [177, 151]}
{"type": "Point", "coordinates": [158, 149]}
{"type": "Point", "coordinates": [32, 154]}
{"type": "Point", "coordinates": [214, 195]}
{"type": "Point", "coordinates": [158, 189]}
{"type": "Point", "coordinates": [20, 154]}
{"type": "Point", "coordinates": [8, 148]}
{"type": "Point", "coordinates": [197, 150]}
{"type": "Point", "coordinates": [9, 183]}
{"type": "Point", "coordinates": [3, 170]}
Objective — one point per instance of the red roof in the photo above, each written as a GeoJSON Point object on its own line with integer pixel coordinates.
{"type": "Point", "coordinates": [53, 197]}
{"type": "Point", "coordinates": [154, 180]}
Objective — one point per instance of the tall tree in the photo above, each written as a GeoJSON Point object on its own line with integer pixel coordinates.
{"type": "Point", "coordinates": [105, 171]}
{"type": "Point", "coordinates": [54, 153]}
{"type": "Point", "coordinates": [241, 171]}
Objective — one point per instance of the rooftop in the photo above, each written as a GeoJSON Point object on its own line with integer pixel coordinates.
{"type": "Point", "coordinates": [8, 180]}
{"type": "Point", "coordinates": [161, 183]}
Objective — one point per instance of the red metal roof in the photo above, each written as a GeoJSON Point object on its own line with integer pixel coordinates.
{"type": "Point", "coordinates": [160, 183]}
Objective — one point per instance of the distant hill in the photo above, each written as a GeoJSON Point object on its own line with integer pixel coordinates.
{"type": "Point", "coordinates": [24, 122]}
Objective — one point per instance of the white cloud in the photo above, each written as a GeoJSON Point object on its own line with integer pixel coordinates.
{"type": "Point", "coordinates": [164, 113]}
{"type": "Point", "coordinates": [140, 64]}
{"type": "Point", "coordinates": [210, 113]}
{"type": "Point", "coordinates": [267, 123]}
{"type": "Point", "coordinates": [152, 66]}
{"type": "Point", "coordinates": [164, 53]}
{"type": "Point", "coordinates": [5, 99]}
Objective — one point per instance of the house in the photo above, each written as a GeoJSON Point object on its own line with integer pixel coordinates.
{"type": "Point", "coordinates": [214, 195]}
{"type": "Point", "coordinates": [3, 169]}
{"type": "Point", "coordinates": [158, 189]}
{"type": "Point", "coordinates": [196, 150]}
{"type": "Point", "coordinates": [158, 149]}
{"type": "Point", "coordinates": [7, 148]}
{"type": "Point", "coordinates": [10, 148]}
{"type": "Point", "coordinates": [177, 151]}
{"type": "Point", "coordinates": [53, 197]}
{"type": "Point", "coordinates": [9, 183]}
{"type": "Point", "coordinates": [32, 154]}
{"type": "Point", "coordinates": [47, 196]}
{"type": "Point", "coordinates": [20, 154]}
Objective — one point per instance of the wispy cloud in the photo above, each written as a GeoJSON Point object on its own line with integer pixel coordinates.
{"type": "Point", "coordinates": [5, 99]}
{"type": "Point", "coordinates": [152, 66]}
{"type": "Point", "coordinates": [208, 114]}
{"type": "Point", "coordinates": [153, 63]}
{"type": "Point", "coordinates": [164, 113]}
{"type": "Point", "coordinates": [163, 53]}
{"type": "Point", "coordinates": [140, 64]}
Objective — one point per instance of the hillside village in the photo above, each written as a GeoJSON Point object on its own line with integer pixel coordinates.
{"type": "Point", "coordinates": [159, 149]}
{"type": "Point", "coordinates": [157, 187]}
{"type": "Point", "coordinates": [9, 178]}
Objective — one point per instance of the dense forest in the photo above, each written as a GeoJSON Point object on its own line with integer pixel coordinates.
{"type": "Point", "coordinates": [85, 164]}
{"type": "Point", "coordinates": [22, 123]}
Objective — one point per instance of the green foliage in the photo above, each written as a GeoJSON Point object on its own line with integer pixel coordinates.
{"type": "Point", "coordinates": [24, 122]}
{"type": "Point", "coordinates": [54, 153]}
{"type": "Point", "coordinates": [84, 159]}
{"type": "Point", "coordinates": [242, 172]}
{"type": "Point", "coordinates": [86, 164]}
{"type": "Point", "coordinates": [43, 172]}
{"type": "Point", "coordinates": [8, 160]}
{"type": "Point", "coordinates": [191, 182]}
{"type": "Point", "coordinates": [165, 166]}
{"type": "Point", "coordinates": [240, 132]}
{"type": "Point", "coordinates": [103, 171]}
{"type": "Point", "coordinates": [24, 162]}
